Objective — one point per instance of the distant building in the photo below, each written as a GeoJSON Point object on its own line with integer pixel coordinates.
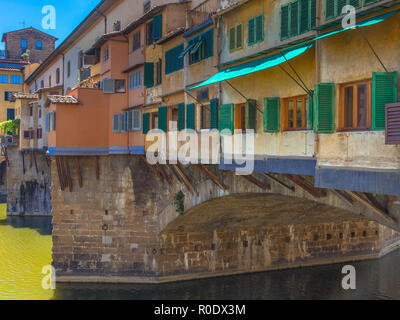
{"type": "Point", "coordinates": [38, 44]}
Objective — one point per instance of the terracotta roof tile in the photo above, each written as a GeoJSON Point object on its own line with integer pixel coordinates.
{"type": "Point", "coordinates": [22, 95]}
{"type": "Point", "coordinates": [62, 100]}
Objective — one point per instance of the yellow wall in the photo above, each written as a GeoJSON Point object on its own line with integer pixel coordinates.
{"type": "Point", "coordinates": [4, 105]}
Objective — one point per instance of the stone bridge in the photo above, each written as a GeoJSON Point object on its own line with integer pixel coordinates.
{"type": "Point", "coordinates": [114, 219]}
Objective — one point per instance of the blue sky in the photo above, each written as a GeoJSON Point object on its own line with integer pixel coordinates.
{"type": "Point", "coordinates": [69, 13]}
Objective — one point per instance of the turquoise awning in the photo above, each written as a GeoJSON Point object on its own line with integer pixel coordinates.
{"type": "Point", "coordinates": [290, 53]}
{"type": "Point", "coordinates": [254, 66]}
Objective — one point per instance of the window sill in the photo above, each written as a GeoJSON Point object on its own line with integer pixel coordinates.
{"type": "Point", "coordinates": [350, 130]}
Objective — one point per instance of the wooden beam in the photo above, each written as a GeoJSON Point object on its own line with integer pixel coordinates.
{"type": "Point", "coordinates": [165, 175]}
{"type": "Point", "coordinates": [342, 195]}
{"type": "Point", "coordinates": [60, 179]}
{"type": "Point", "coordinates": [374, 201]}
{"type": "Point", "coordinates": [78, 171]}
{"type": "Point", "coordinates": [185, 179]}
{"type": "Point", "coordinates": [306, 186]}
{"type": "Point", "coordinates": [97, 166]}
{"type": "Point", "coordinates": [269, 175]}
{"type": "Point", "coordinates": [213, 177]}
{"type": "Point", "coordinates": [152, 168]}
{"type": "Point", "coordinates": [382, 214]}
{"type": "Point", "coordinates": [257, 182]}
{"type": "Point", "coordinates": [68, 173]}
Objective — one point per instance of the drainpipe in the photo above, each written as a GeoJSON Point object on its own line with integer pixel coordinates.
{"type": "Point", "coordinates": [317, 70]}
{"type": "Point", "coordinates": [63, 76]}
{"type": "Point", "coordinates": [105, 20]}
{"type": "Point", "coordinates": [218, 21]}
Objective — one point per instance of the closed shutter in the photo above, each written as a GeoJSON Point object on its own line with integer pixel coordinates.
{"type": "Point", "coordinates": [324, 106]}
{"type": "Point", "coordinates": [108, 85]}
{"type": "Point", "coordinates": [146, 123]}
{"type": "Point", "coordinates": [313, 14]}
{"type": "Point", "coordinates": [208, 43]}
{"type": "Point", "coordinates": [162, 118]}
{"type": "Point", "coordinates": [128, 120]}
{"type": "Point", "coordinates": [310, 112]}
{"type": "Point", "coordinates": [259, 28]}
{"type": "Point", "coordinates": [214, 114]}
{"type": "Point", "coordinates": [251, 114]}
{"type": "Point", "coordinates": [304, 20]}
{"type": "Point", "coordinates": [383, 92]}
{"type": "Point", "coordinates": [115, 122]}
{"type": "Point", "coordinates": [330, 9]}
{"type": "Point", "coordinates": [392, 130]}
{"type": "Point", "coordinates": [47, 122]}
{"type": "Point", "coordinates": [190, 116]}
{"type": "Point", "coordinates": [5, 95]}
{"type": "Point", "coordinates": [239, 36]}
{"type": "Point", "coordinates": [136, 119]}
{"type": "Point", "coordinates": [226, 117]}
{"type": "Point", "coordinates": [251, 28]}
{"type": "Point", "coordinates": [157, 27]}
{"type": "Point", "coordinates": [271, 114]}
{"type": "Point", "coordinates": [355, 3]}
{"type": "Point", "coordinates": [367, 2]}
{"type": "Point", "coordinates": [294, 18]}
{"type": "Point", "coordinates": [181, 116]}
{"type": "Point", "coordinates": [340, 5]}
{"type": "Point", "coordinates": [285, 22]}
{"type": "Point", "coordinates": [148, 74]}
{"type": "Point", "coordinates": [121, 121]}
{"type": "Point", "coordinates": [232, 38]}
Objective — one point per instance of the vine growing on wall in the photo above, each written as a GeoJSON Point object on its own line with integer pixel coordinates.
{"type": "Point", "coordinates": [11, 126]}
{"type": "Point", "coordinates": [179, 202]}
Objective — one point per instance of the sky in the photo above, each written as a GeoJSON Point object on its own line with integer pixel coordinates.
{"type": "Point", "coordinates": [17, 14]}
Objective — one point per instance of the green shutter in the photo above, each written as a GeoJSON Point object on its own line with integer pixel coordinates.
{"type": "Point", "coordinates": [304, 15]}
{"type": "Point", "coordinates": [383, 92]}
{"type": "Point", "coordinates": [324, 106]}
{"type": "Point", "coordinates": [251, 114]}
{"type": "Point", "coordinates": [330, 8]}
{"type": "Point", "coordinates": [232, 38]}
{"type": "Point", "coordinates": [208, 43]}
{"type": "Point", "coordinates": [157, 27]}
{"type": "Point", "coordinates": [239, 36]}
{"type": "Point", "coordinates": [162, 118]}
{"type": "Point", "coordinates": [271, 114]}
{"type": "Point", "coordinates": [340, 5]}
{"type": "Point", "coordinates": [355, 3]}
{"type": "Point", "coordinates": [285, 22]}
{"type": "Point", "coordinates": [294, 18]}
{"type": "Point", "coordinates": [226, 117]}
{"type": "Point", "coordinates": [313, 11]}
{"type": "Point", "coordinates": [259, 36]}
{"type": "Point", "coordinates": [214, 113]}
{"type": "Point", "coordinates": [251, 28]}
{"type": "Point", "coordinates": [148, 74]}
{"type": "Point", "coordinates": [310, 109]}
{"type": "Point", "coordinates": [190, 116]}
{"type": "Point", "coordinates": [146, 123]}
{"type": "Point", "coordinates": [181, 116]}
{"type": "Point", "coordinates": [367, 2]}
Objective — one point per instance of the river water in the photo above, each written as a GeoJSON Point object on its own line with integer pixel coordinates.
{"type": "Point", "coordinates": [25, 247]}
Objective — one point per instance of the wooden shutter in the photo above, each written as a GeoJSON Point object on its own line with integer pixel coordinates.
{"type": "Point", "coordinates": [392, 128]}
{"type": "Point", "coordinates": [324, 106]}
{"type": "Point", "coordinates": [108, 86]}
{"type": "Point", "coordinates": [339, 7]}
{"type": "Point", "coordinates": [157, 27]}
{"type": "Point", "coordinates": [285, 22]}
{"type": "Point", "coordinates": [330, 9]}
{"type": "Point", "coordinates": [115, 122]}
{"type": "Point", "coordinates": [214, 114]}
{"type": "Point", "coordinates": [146, 123]}
{"type": "Point", "coordinates": [226, 117]}
{"type": "Point", "coordinates": [129, 120]}
{"type": "Point", "coordinates": [239, 36]}
{"type": "Point", "coordinates": [190, 116]}
{"type": "Point", "coordinates": [162, 118]}
{"type": "Point", "coordinates": [383, 92]}
{"type": "Point", "coordinates": [148, 74]}
{"type": "Point", "coordinates": [232, 38]}
{"type": "Point", "coordinates": [251, 114]}
{"type": "Point", "coordinates": [294, 18]}
{"type": "Point", "coordinates": [304, 15]}
{"type": "Point", "coordinates": [367, 2]}
{"type": "Point", "coordinates": [251, 31]}
{"type": "Point", "coordinates": [208, 43]}
{"type": "Point", "coordinates": [355, 3]}
{"type": "Point", "coordinates": [310, 112]}
{"type": "Point", "coordinates": [136, 119]}
{"type": "Point", "coordinates": [181, 116]}
{"type": "Point", "coordinates": [313, 18]}
{"type": "Point", "coordinates": [259, 36]}
{"type": "Point", "coordinates": [271, 114]}
{"type": "Point", "coordinates": [121, 122]}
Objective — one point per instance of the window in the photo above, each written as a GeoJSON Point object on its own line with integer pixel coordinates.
{"type": "Point", "coordinates": [3, 78]}
{"type": "Point", "coordinates": [58, 75]}
{"type": "Point", "coordinates": [146, 6]}
{"type": "Point", "coordinates": [173, 125]}
{"type": "Point", "coordinates": [31, 111]}
{"type": "Point", "coordinates": [10, 114]}
{"type": "Point", "coordinates": [135, 80]}
{"type": "Point", "coordinates": [154, 120]}
{"type": "Point", "coordinates": [205, 117]}
{"type": "Point", "coordinates": [69, 69]}
{"type": "Point", "coordinates": [24, 44]}
{"type": "Point", "coordinates": [105, 53]}
{"type": "Point", "coordinates": [236, 37]}
{"type": "Point", "coordinates": [136, 41]}
{"type": "Point", "coordinates": [173, 62]}
{"type": "Point", "coordinates": [39, 133]}
{"type": "Point", "coordinates": [355, 106]}
{"type": "Point", "coordinates": [42, 84]}
{"type": "Point", "coordinates": [297, 18]}
{"type": "Point", "coordinates": [16, 79]}
{"type": "Point", "coordinates": [295, 113]}
{"type": "Point", "coordinates": [120, 86]}
{"type": "Point", "coordinates": [203, 47]}
{"type": "Point", "coordinates": [53, 120]}
{"type": "Point", "coordinates": [148, 77]}
{"type": "Point", "coordinates": [149, 33]}
{"type": "Point", "coordinates": [38, 45]}
{"type": "Point", "coordinates": [255, 29]}
{"type": "Point", "coordinates": [159, 72]}
{"type": "Point", "coordinates": [240, 116]}
{"type": "Point", "coordinates": [333, 8]}
{"type": "Point", "coordinates": [40, 113]}
{"type": "Point", "coordinates": [49, 81]}
{"type": "Point", "coordinates": [7, 96]}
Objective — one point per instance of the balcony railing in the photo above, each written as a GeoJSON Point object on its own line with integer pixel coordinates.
{"type": "Point", "coordinates": [202, 13]}
{"type": "Point", "coordinates": [9, 140]}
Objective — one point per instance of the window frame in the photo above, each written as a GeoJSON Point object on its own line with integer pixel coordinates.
{"type": "Point", "coordinates": [26, 44]}
{"type": "Point", "coordinates": [354, 127]}
{"type": "Point", "coordinates": [136, 43]}
{"type": "Point", "coordinates": [286, 113]}
{"type": "Point", "coordinates": [235, 27]}
{"type": "Point", "coordinates": [255, 30]}
{"type": "Point", "coordinates": [149, 33]}
{"type": "Point", "coordinates": [39, 47]}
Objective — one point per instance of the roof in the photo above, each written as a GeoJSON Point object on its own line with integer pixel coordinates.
{"type": "Point", "coordinates": [23, 95]}
{"type": "Point", "coordinates": [170, 35]}
{"type": "Point", "coordinates": [103, 39]}
{"type": "Point", "coordinates": [4, 38]}
{"type": "Point", "coordinates": [96, 13]}
{"type": "Point", "coordinates": [56, 99]}
{"type": "Point", "coordinates": [132, 26]}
